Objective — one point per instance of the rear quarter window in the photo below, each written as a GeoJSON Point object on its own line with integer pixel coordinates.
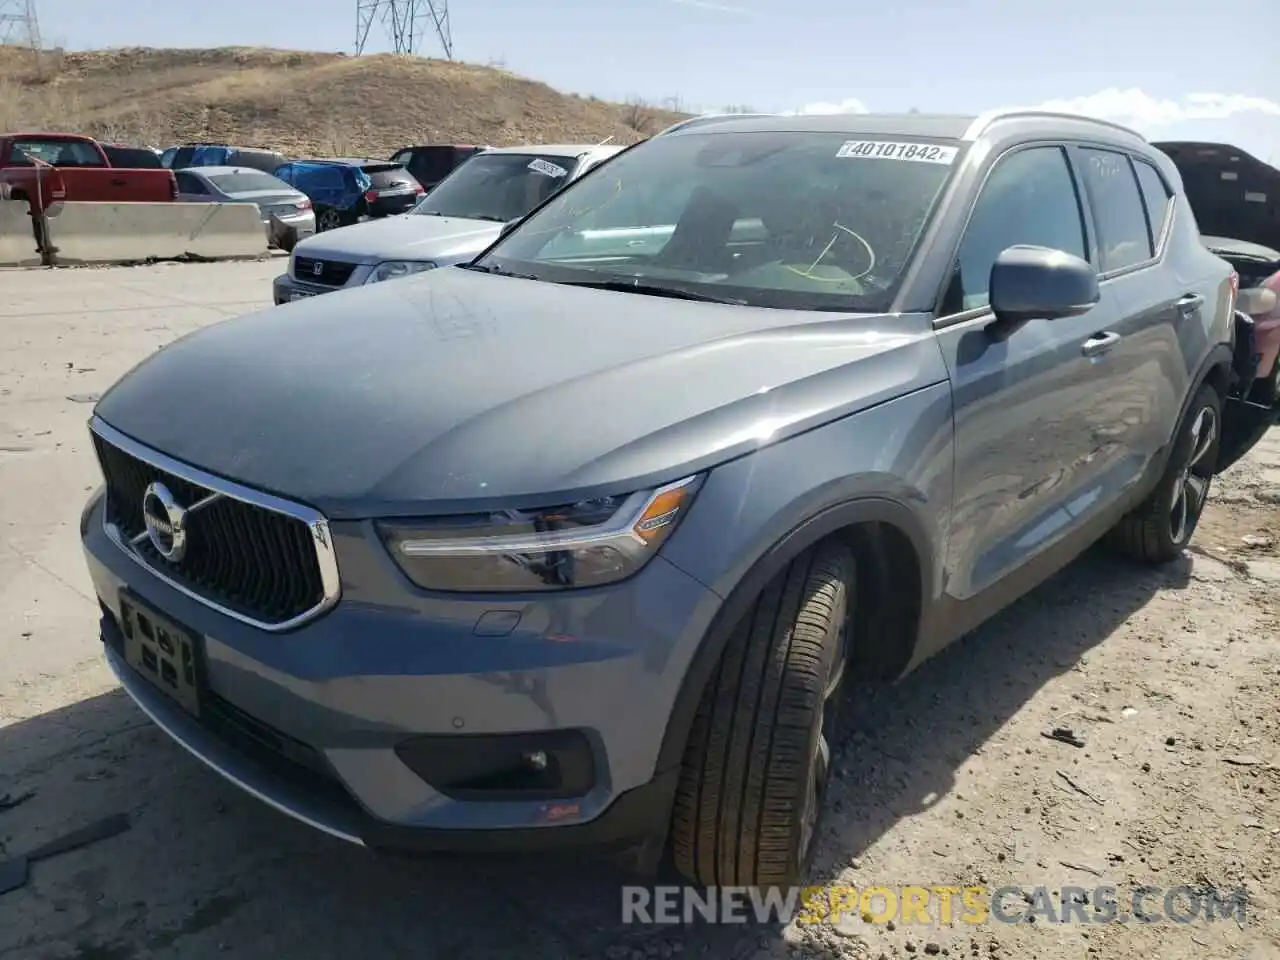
{"type": "Point", "coordinates": [1156, 198]}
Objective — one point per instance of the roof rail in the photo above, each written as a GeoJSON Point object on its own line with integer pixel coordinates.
{"type": "Point", "coordinates": [709, 118]}
{"type": "Point", "coordinates": [987, 118]}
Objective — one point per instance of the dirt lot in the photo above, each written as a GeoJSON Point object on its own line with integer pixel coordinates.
{"type": "Point", "coordinates": [1170, 678]}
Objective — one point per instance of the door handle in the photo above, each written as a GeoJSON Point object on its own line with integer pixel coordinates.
{"type": "Point", "coordinates": [1190, 304]}
{"type": "Point", "coordinates": [1099, 344]}
{"type": "Point", "coordinates": [119, 182]}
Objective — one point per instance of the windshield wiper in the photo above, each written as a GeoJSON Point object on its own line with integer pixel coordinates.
{"type": "Point", "coordinates": [466, 216]}
{"type": "Point", "coordinates": [652, 290]}
{"type": "Point", "coordinates": [496, 271]}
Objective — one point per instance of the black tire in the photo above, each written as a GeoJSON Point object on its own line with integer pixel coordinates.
{"type": "Point", "coordinates": [328, 219]}
{"type": "Point", "coordinates": [748, 804]}
{"type": "Point", "coordinates": [1161, 527]}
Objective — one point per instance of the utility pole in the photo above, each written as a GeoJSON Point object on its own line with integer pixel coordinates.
{"type": "Point", "coordinates": [404, 22]}
{"type": "Point", "coordinates": [19, 25]}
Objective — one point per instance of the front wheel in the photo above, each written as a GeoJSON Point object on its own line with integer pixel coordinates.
{"type": "Point", "coordinates": [756, 768]}
{"type": "Point", "coordinates": [1160, 528]}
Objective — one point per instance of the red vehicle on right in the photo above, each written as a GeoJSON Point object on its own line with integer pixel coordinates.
{"type": "Point", "coordinates": [1236, 200]}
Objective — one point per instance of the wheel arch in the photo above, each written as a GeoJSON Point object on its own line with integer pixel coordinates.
{"type": "Point", "coordinates": [1215, 371]}
{"type": "Point", "coordinates": [890, 545]}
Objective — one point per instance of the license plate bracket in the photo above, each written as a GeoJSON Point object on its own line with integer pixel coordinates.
{"type": "Point", "coordinates": [164, 653]}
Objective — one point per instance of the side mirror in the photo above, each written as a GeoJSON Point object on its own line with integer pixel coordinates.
{"type": "Point", "coordinates": [1256, 301]}
{"type": "Point", "coordinates": [1038, 283]}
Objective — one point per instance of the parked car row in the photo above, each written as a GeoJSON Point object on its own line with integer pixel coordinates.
{"type": "Point", "coordinates": [580, 540]}
{"type": "Point", "coordinates": [297, 197]}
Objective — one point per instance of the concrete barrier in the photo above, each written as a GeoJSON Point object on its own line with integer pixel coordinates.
{"type": "Point", "coordinates": [17, 239]}
{"type": "Point", "coordinates": [129, 232]}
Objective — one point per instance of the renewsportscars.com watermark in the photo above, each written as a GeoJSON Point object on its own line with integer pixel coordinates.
{"type": "Point", "coordinates": [931, 905]}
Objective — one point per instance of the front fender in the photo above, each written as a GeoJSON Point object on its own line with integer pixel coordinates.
{"type": "Point", "coordinates": [890, 464]}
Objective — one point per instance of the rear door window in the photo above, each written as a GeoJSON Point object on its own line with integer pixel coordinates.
{"type": "Point", "coordinates": [1124, 238]}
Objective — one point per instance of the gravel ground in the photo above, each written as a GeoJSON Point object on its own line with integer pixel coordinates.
{"type": "Point", "coordinates": [1169, 678]}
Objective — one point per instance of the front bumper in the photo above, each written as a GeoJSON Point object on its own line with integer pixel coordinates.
{"type": "Point", "coordinates": [285, 288]}
{"type": "Point", "coordinates": [390, 664]}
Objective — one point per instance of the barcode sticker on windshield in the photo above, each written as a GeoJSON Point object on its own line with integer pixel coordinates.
{"type": "Point", "coordinates": [546, 168]}
{"type": "Point", "coordinates": [885, 150]}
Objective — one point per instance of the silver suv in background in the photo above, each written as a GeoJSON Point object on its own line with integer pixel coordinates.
{"type": "Point", "coordinates": [454, 222]}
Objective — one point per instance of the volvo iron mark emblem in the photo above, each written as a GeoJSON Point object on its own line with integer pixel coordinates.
{"type": "Point", "coordinates": [165, 521]}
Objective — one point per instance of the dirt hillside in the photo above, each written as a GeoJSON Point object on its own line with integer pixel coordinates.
{"type": "Point", "coordinates": [300, 103]}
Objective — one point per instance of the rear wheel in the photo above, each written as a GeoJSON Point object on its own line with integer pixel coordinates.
{"type": "Point", "coordinates": [328, 219]}
{"type": "Point", "coordinates": [1162, 525]}
{"type": "Point", "coordinates": [758, 761]}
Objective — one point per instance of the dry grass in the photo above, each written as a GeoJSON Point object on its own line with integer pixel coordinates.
{"type": "Point", "coordinates": [300, 103]}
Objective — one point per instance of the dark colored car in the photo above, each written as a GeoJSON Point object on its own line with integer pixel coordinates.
{"type": "Point", "coordinates": [582, 541]}
{"type": "Point", "coordinates": [431, 163]}
{"type": "Point", "coordinates": [347, 190]}
{"type": "Point", "coordinates": [133, 158]}
{"type": "Point", "coordinates": [222, 155]}
{"type": "Point", "coordinates": [1236, 201]}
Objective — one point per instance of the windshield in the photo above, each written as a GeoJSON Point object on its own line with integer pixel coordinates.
{"type": "Point", "coordinates": [390, 177]}
{"type": "Point", "coordinates": [248, 181]}
{"type": "Point", "coordinates": [798, 220]}
{"type": "Point", "coordinates": [498, 186]}
{"type": "Point", "coordinates": [60, 153]}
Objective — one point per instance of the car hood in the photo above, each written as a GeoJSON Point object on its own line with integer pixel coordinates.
{"type": "Point", "coordinates": [409, 236]}
{"type": "Point", "coordinates": [1231, 192]}
{"type": "Point", "coordinates": [455, 391]}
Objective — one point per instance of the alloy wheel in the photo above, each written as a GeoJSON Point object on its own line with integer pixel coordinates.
{"type": "Point", "coordinates": [1191, 490]}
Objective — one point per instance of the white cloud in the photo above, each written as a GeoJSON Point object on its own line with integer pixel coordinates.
{"type": "Point", "coordinates": [1139, 109]}
{"type": "Point", "coordinates": [1133, 106]}
{"type": "Point", "coordinates": [714, 7]}
{"type": "Point", "coordinates": [851, 105]}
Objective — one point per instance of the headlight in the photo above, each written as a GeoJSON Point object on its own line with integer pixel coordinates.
{"type": "Point", "coordinates": [581, 545]}
{"type": "Point", "coordinates": [390, 269]}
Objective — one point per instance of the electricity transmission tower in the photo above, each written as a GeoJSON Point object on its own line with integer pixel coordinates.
{"type": "Point", "coordinates": [18, 24]}
{"type": "Point", "coordinates": [405, 22]}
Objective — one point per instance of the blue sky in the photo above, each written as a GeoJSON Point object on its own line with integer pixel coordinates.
{"type": "Point", "coordinates": [1173, 68]}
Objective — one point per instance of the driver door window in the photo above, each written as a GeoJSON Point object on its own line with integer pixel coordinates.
{"type": "Point", "coordinates": [1030, 198]}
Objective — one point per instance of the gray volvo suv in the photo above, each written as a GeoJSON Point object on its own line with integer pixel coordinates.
{"type": "Point", "coordinates": [577, 543]}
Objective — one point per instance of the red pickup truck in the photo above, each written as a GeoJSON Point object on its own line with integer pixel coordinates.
{"type": "Point", "coordinates": [47, 168]}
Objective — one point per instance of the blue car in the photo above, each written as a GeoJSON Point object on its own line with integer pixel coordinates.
{"type": "Point", "coordinates": [346, 190]}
